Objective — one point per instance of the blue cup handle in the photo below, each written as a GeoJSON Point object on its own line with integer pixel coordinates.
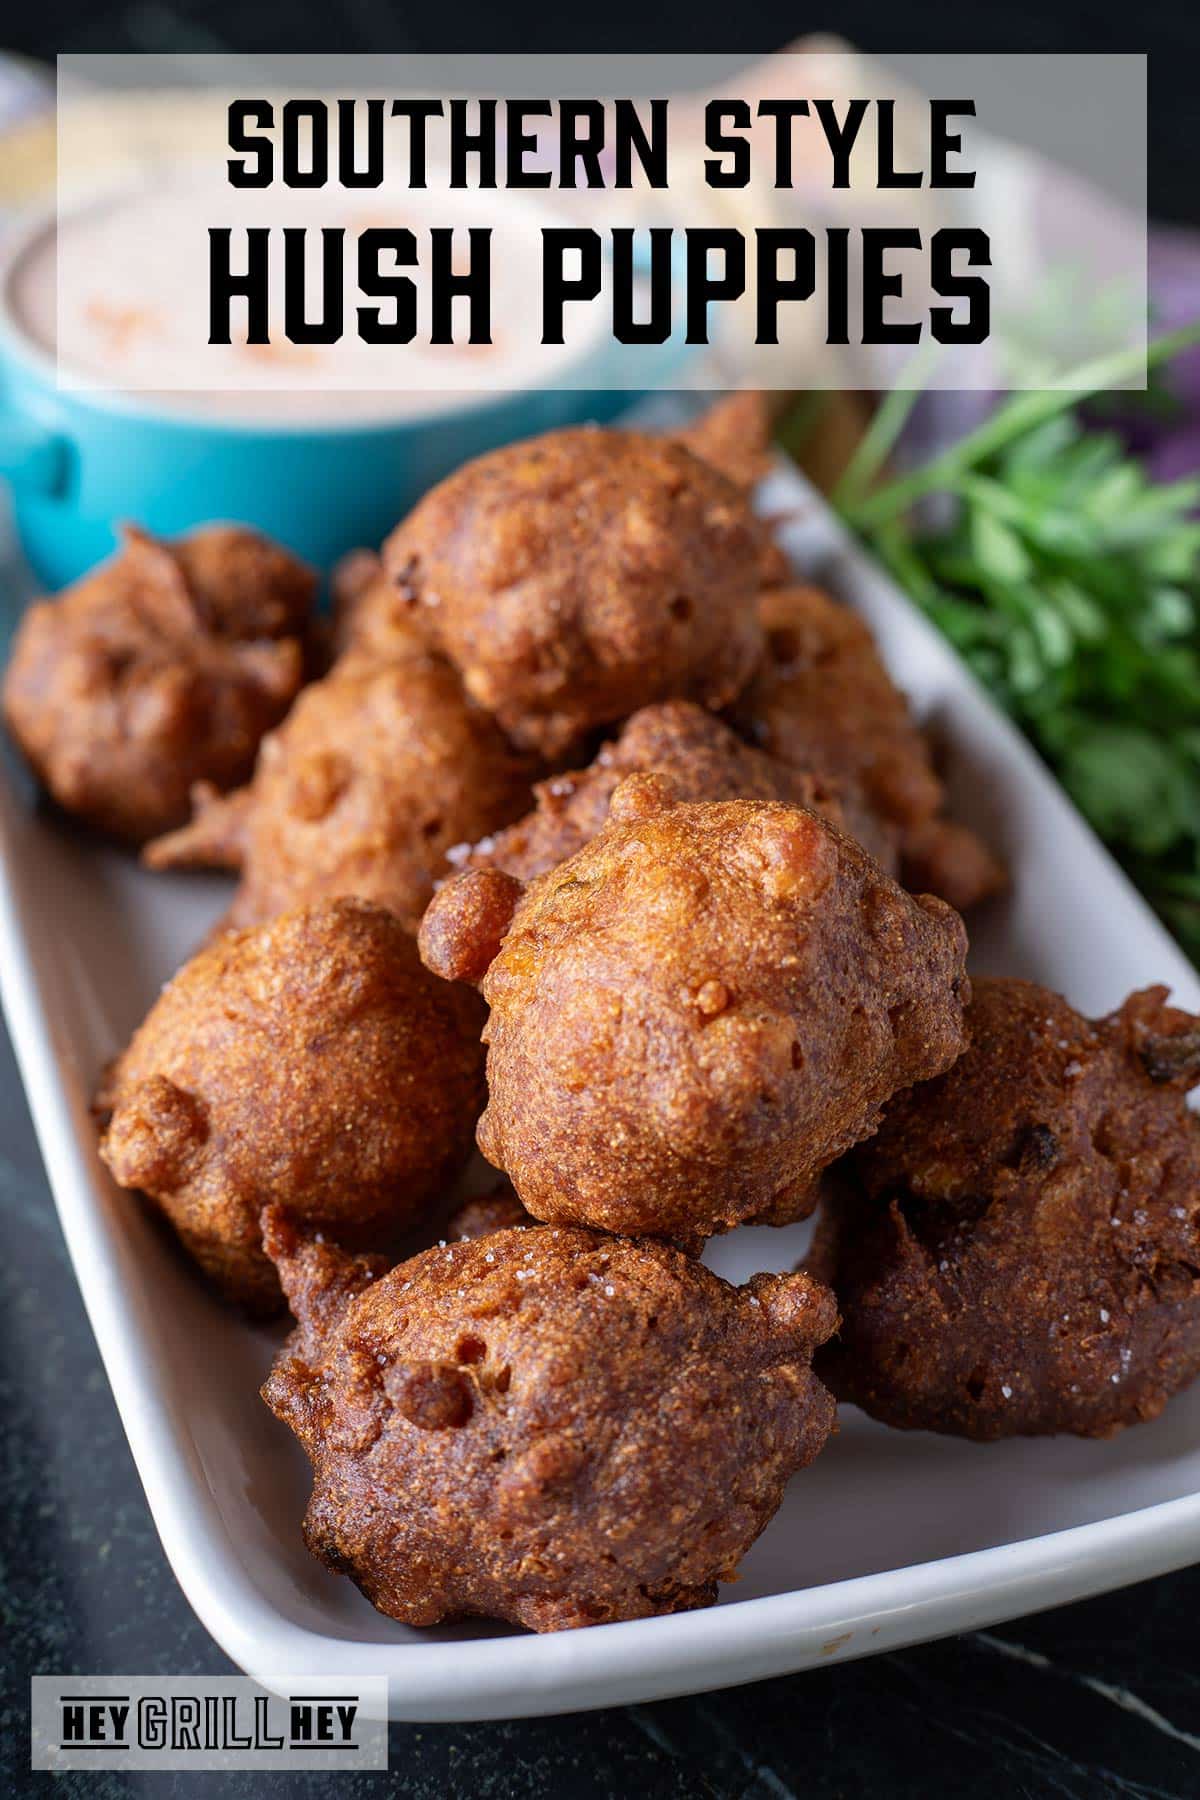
{"type": "Point", "coordinates": [32, 457]}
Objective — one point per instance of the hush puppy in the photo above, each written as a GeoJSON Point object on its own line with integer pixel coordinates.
{"type": "Point", "coordinates": [368, 613]}
{"type": "Point", "coordinates": [311, 1062]}
{"type": "Point", "coordinates": [1018, 1249]}
{"type": "Point", "coordinates": [376, 773]}
{"type": "Point", "coordinates": [700, 757]}
{"type": "Point", "coordinates": [547, 1426]}
{"type": "Point", "coordinates": [581, 575]}
{"type": "Point", "coordinates": [822, 699]}
{"type": "Point", "coordinates": [734, 436]}
{"type": "Point", "coordinates": [697, 1012]}
{"type": "Point", "coordinates": [161, 668]}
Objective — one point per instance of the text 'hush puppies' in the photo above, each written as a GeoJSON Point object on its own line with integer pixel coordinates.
{"type": "Point", "coordinates": [548, 1426]}
{"type": "Point", "coordinates": [578, 576]}
{"type": "Point", "coordinates": [698, 1012]}
{"type": "Point", "coordinates": [312, 1063]}
{"type": "Point", "coordinates": [1018, 1249]}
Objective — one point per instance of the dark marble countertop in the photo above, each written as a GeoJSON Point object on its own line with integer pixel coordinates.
{"type": "Point", "coordinates": [1101, 1698]}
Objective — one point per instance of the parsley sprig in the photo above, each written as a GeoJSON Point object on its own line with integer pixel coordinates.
{"type": "Point", "coordinates": [1069, 580]}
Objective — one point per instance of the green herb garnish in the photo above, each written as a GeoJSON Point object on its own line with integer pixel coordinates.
{"type": "Point", "coordinates": [1070, 583]}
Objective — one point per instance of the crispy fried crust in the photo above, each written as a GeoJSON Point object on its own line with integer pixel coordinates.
{"type": "Point", "coordinates": [377, 772]}
{"type": "Point", "coordinates": [581, 575]}
{"type": "Point", "coordinates": [822, 699]}
{"type": "Point", "coordinates": [311, 1062]}
{"type": "Point", "coordinates": [162, 668]}
{"type": "Point", "coordinates": [1018, 1249]}
{"type": "Point", "coordinates": [547, 1426]}
{"type": "Point", "coordinates": [696, 1013]}
{"type": "Point", "coordinates": [700, 757]}
{"type": "Point", "coordinates": [734, 436]}
{"type": "Point", "coordinates": [368, 613]}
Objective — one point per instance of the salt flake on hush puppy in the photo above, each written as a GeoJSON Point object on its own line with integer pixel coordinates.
{"type": "Point", "coordinates": [548, 1426]}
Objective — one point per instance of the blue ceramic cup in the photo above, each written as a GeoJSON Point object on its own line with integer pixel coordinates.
{"type": "Point", "coordinates": [81, 463]}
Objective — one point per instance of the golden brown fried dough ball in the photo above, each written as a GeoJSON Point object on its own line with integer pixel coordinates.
{"type": "Point", "coordinates": [163, 667]}
{"type": "Point", "coordinates": [548, 1426]}
{"type": "Point", "coordinates": [701, 758]}
{"type": "Point", "coordinates": [823, 700]}
{"type": "Point", "coordinates": [376, 773]}
{"type": "Point", "coordinates": [696, 1013]}
{"type": "Point", "coordinates": [311, 1063]}
{"type": "Point", "coordinates": [734, 436]}
{"type": "Point", "coordinates": [1018, 1249]}
{"type": "Point", "coordinates": [941, 856]}
{"type": "Point", "coordinates": [581, 575]}
{"type": "Point", "coordinates": [368, 613]}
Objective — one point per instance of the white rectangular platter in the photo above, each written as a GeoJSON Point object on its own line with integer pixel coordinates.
{"type": "Point", "coordinates": [888, 1539]}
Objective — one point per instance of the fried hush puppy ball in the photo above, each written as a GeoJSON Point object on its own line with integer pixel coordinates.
{"type": "Point", "coordinates": [1018, 1249]}
{"type": "Point", "coordinates": [734, 436]}
{"type": "Point", "coordinates": [701, 758]}
{"type": "Point", "coordinates": [547, 1426]}
{"type": "Point", "coordinates": [375, 774]}
{"type": "Point", "coordinates": [161, 668]}
{"type": "Point", "coordinates": [822, 699]}
{"type": "Point", "coordinates": [697, 1012]}
{"type": "Point", "coordinates": [311, 1062]}
{"type": "Point", "coordinates": [368, 614]}
{"type": "Point", "coordinates": [581, 575]}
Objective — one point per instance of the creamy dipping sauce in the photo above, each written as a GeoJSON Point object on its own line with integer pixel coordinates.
{"type": "Point", "coordinates": [118, 291]}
